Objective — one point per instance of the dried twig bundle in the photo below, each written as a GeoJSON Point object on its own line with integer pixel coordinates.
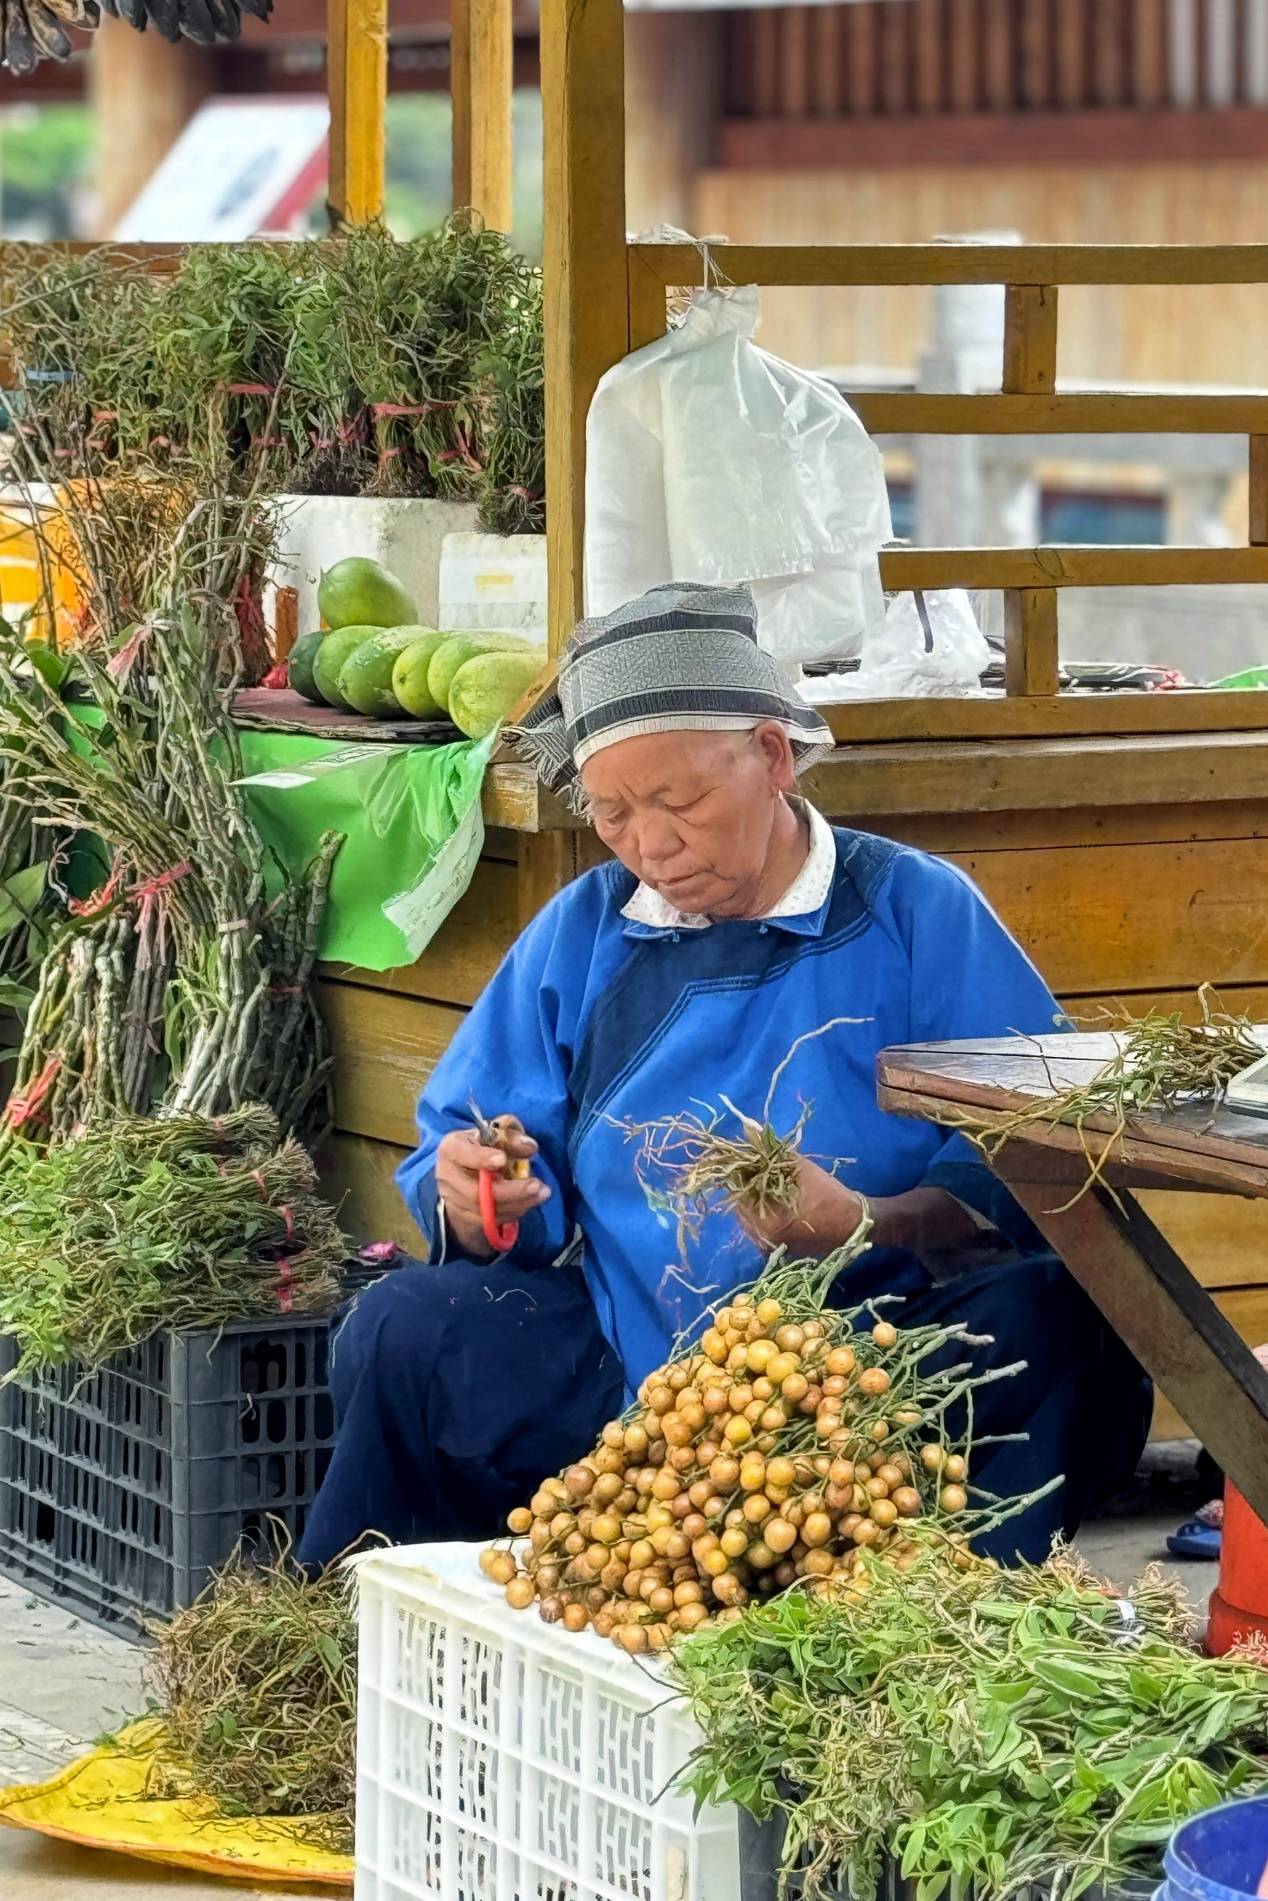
{"type": "Point", "coordinates": [689, 1165]}
{"type": "Point", "coordinates": [258, 1681]}
{"type": "Point", "coordinates": [1161, 1062]}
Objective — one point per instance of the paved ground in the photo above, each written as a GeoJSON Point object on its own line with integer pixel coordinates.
{"type": "Point", "coordinates": [62, 1684]}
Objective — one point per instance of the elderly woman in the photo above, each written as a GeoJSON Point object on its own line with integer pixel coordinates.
{"type": "Point", "coordinates": [730, 920]}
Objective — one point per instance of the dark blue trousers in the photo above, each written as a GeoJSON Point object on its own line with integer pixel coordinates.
{"type": "Point", "coordinates": [457, 1389]}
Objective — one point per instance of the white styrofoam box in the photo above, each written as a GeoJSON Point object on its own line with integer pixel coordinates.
{"type": "Point", "coordinates": [494, 583]}
{"type": "Point", "coordinates": [403, 534]}
{"type": "Point", "coordinates": [503, 1759]}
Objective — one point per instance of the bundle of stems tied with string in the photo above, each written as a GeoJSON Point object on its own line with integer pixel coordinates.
{"type": "Point", "coordinates": [1161, 1061]}
{"type": "Point", "coordinates": [140, 1223]}
{"type": "Point", "coordinates": [178, 977]}
{"type": "Point", "coordinates": [361, 364]}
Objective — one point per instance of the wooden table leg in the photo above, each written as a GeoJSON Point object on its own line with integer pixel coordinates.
{"type": "Point", "coordinates": [1163, 1314]}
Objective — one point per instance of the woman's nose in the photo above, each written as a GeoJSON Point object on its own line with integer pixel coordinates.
{"type": "Point", "coordinates": [658, 838]}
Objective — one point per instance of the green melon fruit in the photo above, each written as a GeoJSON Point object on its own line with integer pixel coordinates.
{"type": "Point", "coordinates": [335, 650]}
{"type": "Point", "coordinates": [357, 592]}
{"type": "Point", "coordinates": [485, 688]}
{"type": "Point", "coordinates": [299, 667]}
{"type": "Point", "coordinates": [459, 648]}
{"type": "Point", "coordinates": [366, 678]}
{"type": "Point", "coordinates": [409, 675]}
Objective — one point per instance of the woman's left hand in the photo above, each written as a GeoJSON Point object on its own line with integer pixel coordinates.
{"type": "Point", "coordinates": [826, 1214]}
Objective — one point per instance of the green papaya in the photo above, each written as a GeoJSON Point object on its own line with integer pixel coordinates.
{"type": "Point", "coordinates": [365, 679]}
{"type": "Point", "coordinates": [485, 688]}
{"type": "Point", "coordinates": [409, 675]}
{"type": "Point", "coordinates": [457, 649]}
{"type": "Point", "coordinates": [335, 650]}
{"type": "Point", "coordinates": [357, 592]}
{"type": "Point", "coordinates": [299, 667]}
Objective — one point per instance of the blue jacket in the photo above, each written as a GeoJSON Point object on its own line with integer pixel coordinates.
{"type": "Point", "coordinates": [593, 1021]}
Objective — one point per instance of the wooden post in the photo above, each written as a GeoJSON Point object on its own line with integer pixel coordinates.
{"type": "Point", "coordinates": [586, 293]}
{"type": "Point", "coordinates": [481, 72]}
{"type": "Point", "coordinates": [144, 92]}
{"type": "Point", "coordinates": [1031, 663]}
{"type": "Point", "coordinates": [1257, 499]}
{"type": "Point", "coordinates": [356, 80]}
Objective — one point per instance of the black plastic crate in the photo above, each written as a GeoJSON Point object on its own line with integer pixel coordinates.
{"type": "Point", "coordinates": [120, 1490]}
{"type": "Point", "coordinates": [762, 1847]}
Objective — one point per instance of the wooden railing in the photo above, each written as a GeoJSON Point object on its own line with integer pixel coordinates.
{"type": "Point", "coordinates": [1030, 404]}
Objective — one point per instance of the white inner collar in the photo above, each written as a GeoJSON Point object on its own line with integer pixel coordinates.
{"type": "Point", "coordinates": [805, 894]}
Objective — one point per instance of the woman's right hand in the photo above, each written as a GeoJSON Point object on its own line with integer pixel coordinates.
{"type": "Point", "coordinates": [460, 1160]}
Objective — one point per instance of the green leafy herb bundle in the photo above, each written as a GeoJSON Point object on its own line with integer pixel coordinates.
{"type": "Point", "coordinates": [257, 1682]}
{"type": "Point", "coordinates": [990, 1729]}
{"type": "Point", "coordinates": [142, 1223]}
{"type": "Point", "coordinates": [351, 365]}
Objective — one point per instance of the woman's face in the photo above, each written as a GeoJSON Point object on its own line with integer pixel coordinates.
{"type": "Point", "coordinates": [693, 814]}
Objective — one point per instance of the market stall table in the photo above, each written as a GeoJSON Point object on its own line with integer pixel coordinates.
{"type": "Point", "coordinates": [1105, 1238]}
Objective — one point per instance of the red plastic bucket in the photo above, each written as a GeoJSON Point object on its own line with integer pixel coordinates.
{"type": "Point", "coordinates": [1239, 1604]}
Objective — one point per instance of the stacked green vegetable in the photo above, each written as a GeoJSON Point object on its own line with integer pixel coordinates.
{"type": "Point", "coordinates": [989, 1729]}
{"type": "Point", "coordinates": [347, 366]}
{"type": "Point", "coordinates": [374, 658]}
{"type": "Point", "coordinates": [141, 1223]}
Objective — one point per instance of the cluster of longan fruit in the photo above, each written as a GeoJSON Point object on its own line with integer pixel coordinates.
{"type": "Point", "coordinates": [774, 1451]}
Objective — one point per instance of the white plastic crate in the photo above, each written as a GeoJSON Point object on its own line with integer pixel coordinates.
{"type": "Point", "coordinates": [503, 1759]}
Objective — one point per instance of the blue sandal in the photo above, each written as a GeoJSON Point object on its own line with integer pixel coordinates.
{"type": "Point", "coordinates": [1196, 1540]}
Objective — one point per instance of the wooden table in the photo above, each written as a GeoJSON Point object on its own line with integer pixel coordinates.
{"type": "Point", "coordinates": [1104, 1237]}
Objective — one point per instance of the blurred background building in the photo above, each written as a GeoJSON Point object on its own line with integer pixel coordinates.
{"type": "Point", "coordinates": [866, 121]}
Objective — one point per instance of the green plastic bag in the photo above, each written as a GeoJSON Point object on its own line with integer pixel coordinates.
{"type": "Point", "coordinates": [411, 819]}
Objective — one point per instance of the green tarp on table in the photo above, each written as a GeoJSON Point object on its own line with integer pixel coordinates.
{"type": "Point", "coordinates": [413, 827]}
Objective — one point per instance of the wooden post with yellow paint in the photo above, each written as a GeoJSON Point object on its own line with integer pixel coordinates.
{"type": "Point", "coordinates": [356, 80]}
{"type": "Point", "coordinates": [481, 79]}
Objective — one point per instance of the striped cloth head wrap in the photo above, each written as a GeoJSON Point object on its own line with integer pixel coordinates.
{"type": "Point", "coordinates": [681, 658]}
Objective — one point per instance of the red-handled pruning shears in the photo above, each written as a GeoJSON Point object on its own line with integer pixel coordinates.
{"type": "Point", "coordinates": [498, 1234]}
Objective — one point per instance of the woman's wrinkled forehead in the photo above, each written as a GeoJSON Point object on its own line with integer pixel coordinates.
{"type": "Point", "coordinates": [662, 765]}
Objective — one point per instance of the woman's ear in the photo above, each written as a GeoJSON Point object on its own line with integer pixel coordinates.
{"type": "Point", "coordinates": [777, 754]}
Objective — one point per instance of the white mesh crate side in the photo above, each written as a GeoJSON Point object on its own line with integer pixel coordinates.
{"type": "Point", "coordinates": [504, 1760]}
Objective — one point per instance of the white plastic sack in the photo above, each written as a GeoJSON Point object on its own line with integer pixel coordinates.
{"type": "Point", "coordinates": [929, 646]}
{"type": "Point", "coordinates": [710, 460]}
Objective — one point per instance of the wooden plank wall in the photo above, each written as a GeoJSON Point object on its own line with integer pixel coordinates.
{"type": "Point", "coordinates": [1138, 904]}
{"type": "Point", "coordinates": [897, 58]}
{"type": "Point", "coordinates": [1150, 334]}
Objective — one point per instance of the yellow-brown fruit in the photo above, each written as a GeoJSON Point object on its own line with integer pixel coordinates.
{"type": "Point", "coordinates": [873, 1381]}
{"type": "Point", "coordinates": [907, 1499]}
{"type": "Point", "coordinates": [885, 1335]}
{"type": "Point", "coordinates": [734, 1541]}
{"type": "Point", "coordinates": [884, 1513]}
{"type": "Point", "coordinates": [955, 1469]}
{"type": "Point", "coordinates": [500, 1566]}
{"type": "Point", "coordinates": [816, 1529]}
{"type": "Point", "coordinates": [576, 1617]}
{"type": "Point", "coordinates": [953, 1498]}
{"type": "Point", "coordinates": [520, 1593]}
{"type": "Point", "coordinates": [632, 1638]}
{"type": "Point", "coordinates": [520, 1521]}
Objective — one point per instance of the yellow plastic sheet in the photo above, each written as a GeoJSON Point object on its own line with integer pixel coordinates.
{"type": "Point", "coordinates": [100, 1802]}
